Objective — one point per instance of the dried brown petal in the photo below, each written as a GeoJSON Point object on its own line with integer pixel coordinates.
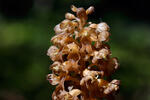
{"type": "Point", "coordinates": [93, 26]}
{"type": "Point", "coordinates": [98, 44]}
{"type": "Point", "coordinates": [68, 26]}
{"type": "Point", "coordinates": [69, 16]}
{"type": "Point", "coordinates": [112, 87]}
{"type": "Point", "coordinates": [71, 51]}
{"type": "Point", "coordinates": [73, 48]}
{"type": "Point", "coordinates": [84, 32]}
{"type": "Point", "coordinates": [65, 95]}
{"type": "Point", "coordinates": [88, 34]}
{"type": "Point", "coordinates": [56, 67]}
{"type": "Point", "coordinates": [103, 36]}
{"type": "Point", "coordinates": [102, 27]}
{"type": "Point", "coordinates": [75, 92]}
{"type": "Point", "coordinates": [90, 10]}
{"type": "Point", "coordinates": [73, 8]}
{"type": "Point", "coordinates": [57, 29]}
{"type": "Point", "coordinates": [93, 37]}
{"type": "Point", "coordinates": [102, 54]}
{"type": "Point", "coordinates": [53, 53]}
{"type": "Point", "coordinates": [57, 39]}
{"type": "Point", "coordinates": [64, 24]}
{"type": "Point", "coordinates": [86, 48]}
{"type": "Point", "coordinates": [90, 75]}
{"type": "Point", "coordinates": [61, 39]}
{"type": "Point", "coordinates": [87, 72]}
{"type": "Point", "coordinates": [53, 79]}
{"type": "Point", "coordinates": [70, 65]}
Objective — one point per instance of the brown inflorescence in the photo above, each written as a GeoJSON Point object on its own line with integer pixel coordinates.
{"type": "Point", "coordinates": [83, 65]}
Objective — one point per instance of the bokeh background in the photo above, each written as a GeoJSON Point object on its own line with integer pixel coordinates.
{"type": "Point", "coordinates": [26, 27]}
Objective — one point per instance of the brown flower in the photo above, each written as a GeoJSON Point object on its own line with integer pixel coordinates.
{"type": "Point", "coordinates": [82, 59]}
{"type": "Point", "coordinates": [53, 52]}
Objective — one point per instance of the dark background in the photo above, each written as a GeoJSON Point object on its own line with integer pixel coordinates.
{"type": "Point", "coordinates": [26, 27]}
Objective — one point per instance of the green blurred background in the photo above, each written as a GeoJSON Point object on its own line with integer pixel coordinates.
{"type": "Point", "coordinates": [26, 27]}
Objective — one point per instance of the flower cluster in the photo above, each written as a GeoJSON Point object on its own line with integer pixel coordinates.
{"type": "Point", "coordinates": [82, 64]}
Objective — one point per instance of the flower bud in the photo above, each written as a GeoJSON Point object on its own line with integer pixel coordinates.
{"type": "Point", "coordinates": [90, 10]}
{"type": "Point", "coordinates": [73, 8]}
{"type": "Point", "coordinates": [69, 16]}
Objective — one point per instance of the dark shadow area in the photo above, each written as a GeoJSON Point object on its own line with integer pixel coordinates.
{"type": "Point", "coordinates": [15, 8]}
